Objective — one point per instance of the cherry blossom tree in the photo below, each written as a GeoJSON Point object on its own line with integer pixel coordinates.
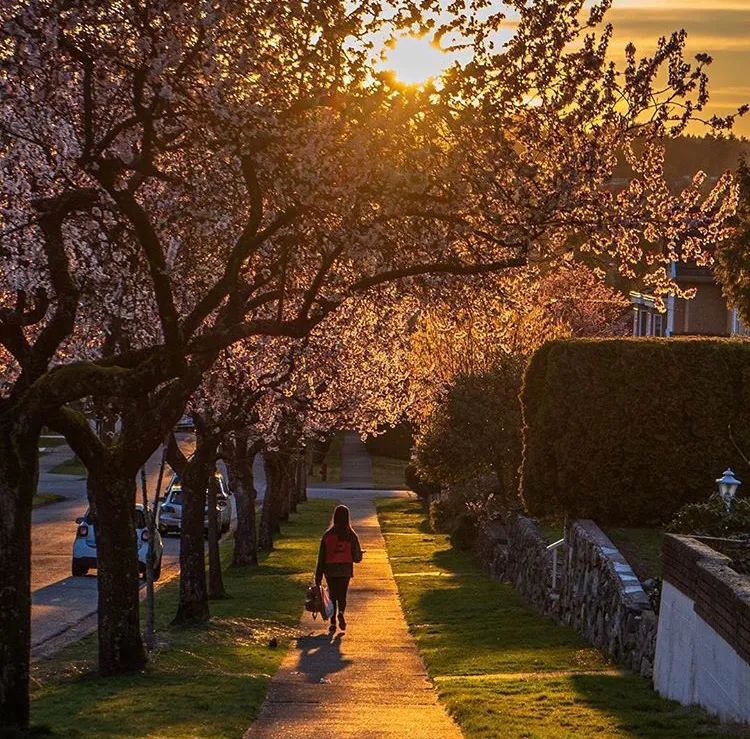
{"type": "Point", "coordinates": [733, 257]}
{"type": "Point", "coordinates": [185, 175]}
{"type": "Point", "coordinates": [226, 412]}
{"type": "Point", "coordinates": [180, 176]}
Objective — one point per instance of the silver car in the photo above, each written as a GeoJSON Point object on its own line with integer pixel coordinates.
{"type": "Point", "coordinates": [84, 545]}
{"type": "Point", "coordinates": [170, 508]}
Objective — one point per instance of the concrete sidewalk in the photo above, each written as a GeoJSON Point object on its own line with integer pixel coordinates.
{"type": "Point", "coordinates": [356, 466]}
{"type": "Point", "coordinates": [368, 682]}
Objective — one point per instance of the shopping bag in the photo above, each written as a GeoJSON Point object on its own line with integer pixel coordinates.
{"type": "Point", "coordinates": [326, 604]}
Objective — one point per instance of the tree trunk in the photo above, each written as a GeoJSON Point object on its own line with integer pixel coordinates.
{"type": "Point", "coordinates": [18, 479]}
{"type": "Point", "coordinates": [245, 538]}
{"type": "Point", "coordinates": [215, 580]}
{"type": "Point", "coordinates": [293, 483]}
{"type": "Point", "coordinates": [268, 513]}
{"type": "Point", "coordinates": [285, 488]}
{"type": "Point", "coordinates": [298, 471]}
{"type": "Point", "coordinates": [119, 630]}
{"type": "Point", "coordinates": [302, 477]}
{"type": "Point", "coordinates": [193, 604]}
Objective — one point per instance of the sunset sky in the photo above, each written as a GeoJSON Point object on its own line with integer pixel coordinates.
{"type": "Point", "coordinates": [720, 28]}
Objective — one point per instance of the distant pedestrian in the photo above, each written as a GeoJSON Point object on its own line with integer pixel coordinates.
{"type": "Point", "coordinates": [339, 550]}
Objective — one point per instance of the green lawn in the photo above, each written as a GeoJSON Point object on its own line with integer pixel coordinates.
{"type": "Point", "coordinates": [552, 528]}
{"type": "Point", "coordinates": [641, 547]}
{"type": "Point", "coordinates": [200, 682]}
{"type": "Point", "coordinates": [50, 441]}
{"type": "Point", "coordinates": [501, 669]}
{"type": "Point", "coordinates": [72, 466]}
{"type": "Point", "coordinates": [388, 473]}
{"type": "Point", "coordinates": [41, 499]}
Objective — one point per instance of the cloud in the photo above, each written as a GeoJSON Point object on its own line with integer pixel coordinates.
{"type": "Point", "coordinates": [717, 27]}
{"type": "Point", "coordinates": [712, 29]}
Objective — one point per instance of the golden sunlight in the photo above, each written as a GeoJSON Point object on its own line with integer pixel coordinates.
{"type": "Point", "coordinates": [414, 60]}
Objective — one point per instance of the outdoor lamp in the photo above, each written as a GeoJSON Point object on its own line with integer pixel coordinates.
{"type": "Point", "coordinates": [728, 485]}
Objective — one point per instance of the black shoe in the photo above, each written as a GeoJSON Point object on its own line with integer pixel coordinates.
{"type": "Point", "coordinates": [342, 622]}
{"type": "Point", "coordinates": [332, 627]}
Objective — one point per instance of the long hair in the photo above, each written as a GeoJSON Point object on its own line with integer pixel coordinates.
{"type": "Point", "coordinates": [340, 524]}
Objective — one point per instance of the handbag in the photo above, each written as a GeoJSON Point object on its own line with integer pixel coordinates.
{"type": "Point", "coordinates": [318, 601]}
{"type": "Point", "coordinates": [313, 600]}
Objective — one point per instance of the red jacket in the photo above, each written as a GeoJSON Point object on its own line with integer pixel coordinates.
{"type": "Point", "coordinates": [336, 556]}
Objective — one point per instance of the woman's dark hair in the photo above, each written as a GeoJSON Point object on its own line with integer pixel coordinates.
{"type": "Point", "coordinates": [340, 525]}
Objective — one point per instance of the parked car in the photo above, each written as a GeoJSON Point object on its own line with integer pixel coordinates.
{"type": "Point", "coordinates": [84, 544]}
{"type": "Point", "coordinates": [170, 511]}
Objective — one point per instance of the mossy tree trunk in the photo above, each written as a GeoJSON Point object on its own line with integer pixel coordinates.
{"type": "Point", "coordinates": [194, 475]}
{"type": "Point", "coordinates": [18, 481]}
{"type": "Point", "coordinates": [269, 524]}
{"type": "Point", "coordinates": [121, 647]}
{"type": "Point", "coordinates": [216, 589]}
{"type": "Point", "coordinates": [240, 467]}
{"type": "Point", "coordinates": [113, 460]}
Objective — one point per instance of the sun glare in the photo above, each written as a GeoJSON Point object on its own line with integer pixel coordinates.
{"type": "Point", "coordinates": [414, 60]}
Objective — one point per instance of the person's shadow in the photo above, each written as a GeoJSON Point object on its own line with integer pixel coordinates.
{"type": "Point", "coordinates": [320, 656]}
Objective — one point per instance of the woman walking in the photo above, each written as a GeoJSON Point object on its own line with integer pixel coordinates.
{"type": "Point", "coordinates": [339, 550]}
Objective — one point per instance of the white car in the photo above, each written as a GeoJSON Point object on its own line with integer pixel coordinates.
{"type": "Point", "coordinates": [84, 545]}
{"type": "Point", "coordinates": [170, 508]}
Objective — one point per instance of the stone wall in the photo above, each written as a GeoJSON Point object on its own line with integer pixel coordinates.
{"type": "Point", "coordinates": [603, 600]}
{"type": "Point", "coordinates": [596, 591]}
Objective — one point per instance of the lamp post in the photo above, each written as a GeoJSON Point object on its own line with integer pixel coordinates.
{"type": "Point", "coordinates": [728, 485]}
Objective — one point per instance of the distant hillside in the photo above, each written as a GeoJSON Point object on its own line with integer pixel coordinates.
{"type": "Point", "coordinates": [687, 155]}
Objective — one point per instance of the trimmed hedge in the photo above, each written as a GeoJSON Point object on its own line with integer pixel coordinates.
{"type": "Point", "coordinates": [627, 431]}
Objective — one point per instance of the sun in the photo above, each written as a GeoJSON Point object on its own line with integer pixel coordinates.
{"type": "Point", "coordinates": [414, 60]}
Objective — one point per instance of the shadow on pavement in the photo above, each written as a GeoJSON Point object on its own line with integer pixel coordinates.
{"type": "Point", "coordinates": [320, 656]}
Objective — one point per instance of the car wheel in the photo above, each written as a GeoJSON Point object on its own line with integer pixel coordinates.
{"type": "Point", "coordinates": [163, 530]}
{"type": "Point", "coordinates": [79, 569]}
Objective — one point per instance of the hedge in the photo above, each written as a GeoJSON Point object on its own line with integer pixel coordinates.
{"type": "Point", "coordinates": [626, 431]}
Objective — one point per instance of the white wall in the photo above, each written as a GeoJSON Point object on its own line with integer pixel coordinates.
{"type": "Point", "coordinates": [695, 665]}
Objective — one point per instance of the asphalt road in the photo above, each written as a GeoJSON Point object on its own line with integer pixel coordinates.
{"type": "Point", "coordinates": [60, 601]}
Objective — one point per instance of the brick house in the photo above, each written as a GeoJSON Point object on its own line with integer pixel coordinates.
{"type": "Point", "coordinates": [707, 314]}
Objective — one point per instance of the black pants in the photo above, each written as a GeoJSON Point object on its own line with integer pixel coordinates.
{"type": "Point", "coordinates": [337, 587]}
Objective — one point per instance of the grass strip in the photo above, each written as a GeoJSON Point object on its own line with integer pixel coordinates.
{"type": "Point", "coordinates": [41, 499]}
{"type": "Point", "coordinates": [52, 441]}
{"type": "Point", "coordinates": [503, 670]}
{"type": "Point", "coordinates": [641, 547]}
{"type": "Point", "coordinates": [200, 682]}
{"type": "Point", "coordinates": [72, 466]}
